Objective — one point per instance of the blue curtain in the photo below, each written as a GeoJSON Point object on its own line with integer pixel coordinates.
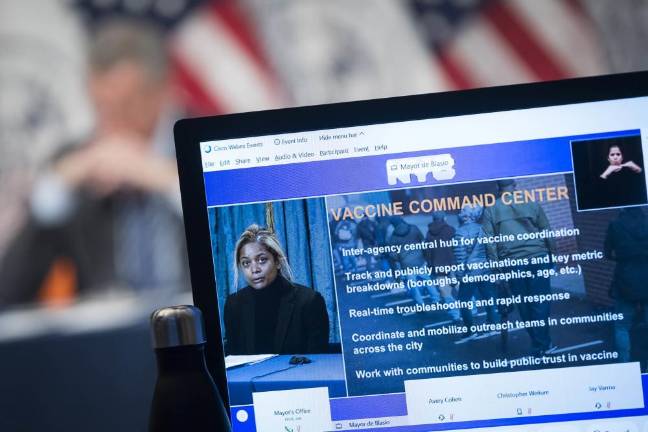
{"type": "Point", "coordinates": [301, 227]}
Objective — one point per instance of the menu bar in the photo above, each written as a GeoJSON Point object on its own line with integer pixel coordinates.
{"type": "Point", "coordinates": [430, 134]}
{"type": "Point", "coordinates": [288, 148]}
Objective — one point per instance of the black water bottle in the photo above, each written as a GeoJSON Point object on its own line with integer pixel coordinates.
{"type": "Point", "coordinates": [185, 397]}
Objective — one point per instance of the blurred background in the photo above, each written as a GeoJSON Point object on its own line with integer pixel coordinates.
{"type": "Point", "coordinates": [91, 234]}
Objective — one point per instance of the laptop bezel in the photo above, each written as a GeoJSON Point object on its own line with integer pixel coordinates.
{"type": "Point", "coordinates": [189, 133]}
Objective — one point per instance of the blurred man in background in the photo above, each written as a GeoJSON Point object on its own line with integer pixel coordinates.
{"type": "Point", "coordinates": [107, 214]}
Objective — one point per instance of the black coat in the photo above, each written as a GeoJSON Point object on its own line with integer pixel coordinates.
{"type": "Point", "coordinates": [302, 324]}
{"type": "Point", "coordinates": [626, 242]}
{"type": "Point", "coordinates": [86, 239]}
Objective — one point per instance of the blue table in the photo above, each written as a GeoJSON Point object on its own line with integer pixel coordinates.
{"type": "Point", "coordinates": [326, 370]}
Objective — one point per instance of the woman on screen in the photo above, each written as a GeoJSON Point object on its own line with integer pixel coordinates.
{"type": "Point", "coordinates": [272, 314]}
{"type": "Point", "coordinates": [622, 183]}
{"type": "Point", "coordinates": [615, 158]}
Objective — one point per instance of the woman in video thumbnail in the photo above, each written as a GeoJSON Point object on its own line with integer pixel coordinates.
{"type": "Point", "coordinates": [272, 314]}
{"type": "Point", "coordinates": [621, 182]}
{"type": "Point", "coordinates": [615, 158]}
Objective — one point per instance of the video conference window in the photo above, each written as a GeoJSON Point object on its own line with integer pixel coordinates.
{"type": "Point", "coordinates": [609, 172]}
{"type": "Point", "coordinates": [428, 282]}
{"type": "Point", "coordinates": [417, 304]}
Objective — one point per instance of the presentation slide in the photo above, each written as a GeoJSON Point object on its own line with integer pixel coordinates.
{"type": "Point", "coordinates": [475, 278]}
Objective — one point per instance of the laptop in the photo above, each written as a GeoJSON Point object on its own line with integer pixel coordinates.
{"type": "Point", "coordinates": [463, 260]}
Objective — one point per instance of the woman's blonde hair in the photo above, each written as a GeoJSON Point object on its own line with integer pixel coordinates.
{"type": "Point", "coordinates": [257, 234]}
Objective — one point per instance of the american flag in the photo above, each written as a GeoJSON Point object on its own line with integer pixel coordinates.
{"type": "Point", "coordinates": [241, 55]}
{"type": "Point", "coordinates": [491, 42]}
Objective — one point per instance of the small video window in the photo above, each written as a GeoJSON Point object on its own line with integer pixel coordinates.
{"type": "Point", "coordinates": [609, 172]}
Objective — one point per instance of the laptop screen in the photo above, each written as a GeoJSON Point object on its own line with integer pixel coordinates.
{"type": "Point", "coordinates": [464, 272]}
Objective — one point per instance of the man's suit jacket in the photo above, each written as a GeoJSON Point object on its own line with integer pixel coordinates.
{"type": "Point", "coordinates": [86, 239]}
{"type": "Point", "coordinates": [302, 324]}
